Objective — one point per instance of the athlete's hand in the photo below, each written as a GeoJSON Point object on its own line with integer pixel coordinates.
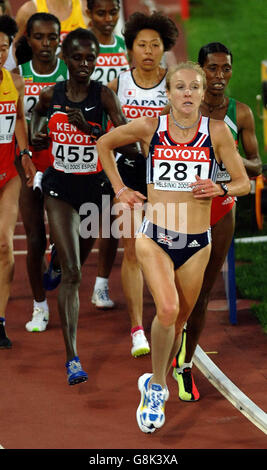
{"type": "Point", "coordinates": [29, 169]}
{"type": "Point", "coordinates": [131, 199]}
{"type": "Point", "coordinates": [76, 117]}
{"type": "Point", "coordinates": [204, 188]}
{"type": "Point", "coordinates": [40, 141]}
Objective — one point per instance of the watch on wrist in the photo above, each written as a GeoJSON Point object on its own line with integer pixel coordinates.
{"type": "Point", "coordinates": [224, 188]}
{"type": "Point", "coordinates": [25, 151]}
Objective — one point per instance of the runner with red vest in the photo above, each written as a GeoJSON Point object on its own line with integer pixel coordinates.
{"type": "Point", "coordinates": [12, 124]}
{"type": "Point", "coordinates": [77, 111]}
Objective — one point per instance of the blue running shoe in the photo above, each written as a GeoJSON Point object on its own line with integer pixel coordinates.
{"type": "Point", "coordinates": [75, 372]}
{"type": "Point", "coordinates": [52, 276]}
{"type": "Point", "coordinates": [150, 412]}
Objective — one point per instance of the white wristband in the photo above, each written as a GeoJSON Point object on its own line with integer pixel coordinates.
{"type": "Point", "coordinates": [117, 195]}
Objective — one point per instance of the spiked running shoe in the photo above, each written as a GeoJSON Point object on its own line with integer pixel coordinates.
{"type": "Point", "coordinates": [187, 390]}
{"type": "Point", "coordinates": [75, 372]}
{"type": "Point", "coordinates": [39, 320]}
{"type": "Point", "coordinates": [150, 412]}
{"type": "Point", "coordinates": [140, 344]}
{"type": "Point", "coordinates": [180, 356]}
{"type": "Point", "coordinates": [5, 343]}
{"type": "Point", "coordinates": [52, 276]}
{"type": "Point", "coordinates": [100, 298]}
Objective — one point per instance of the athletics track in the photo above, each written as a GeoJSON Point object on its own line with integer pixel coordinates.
{"type": "Point", "coordinates": [40, 411]}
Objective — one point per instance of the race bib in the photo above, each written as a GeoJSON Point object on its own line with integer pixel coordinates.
{"type": "Point", "coordinates": [109, 66]}
{"type": "Point", "coordinates": [72, 150]}
{"type": "Point", "coordinates": [8, 114]}
{"type": "Point", "coordinates": [175, 168]}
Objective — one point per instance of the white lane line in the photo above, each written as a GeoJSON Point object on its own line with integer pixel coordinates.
{"type": "Point", "coordinates": [251, 239]}
{"type": "Point", "coordinates": [227, 388]}
{"type": "Point", "coordinates": [94, 250]}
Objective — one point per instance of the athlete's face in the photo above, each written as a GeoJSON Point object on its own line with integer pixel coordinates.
{"type": "Point", "coordinates": [44, 40]}
{"type": "Point", "coordinates": [186, 90]}
{"type": "Point", "coordinates": [104, 16]}
{"type": "Point", "coordinates": [148, 49]}
{"type": "Point", "coordinates": [218, 70]}
{"type": "Point", "coordinates": [81, 59]}
{"type": "Point", "coordinates": [4, 48]}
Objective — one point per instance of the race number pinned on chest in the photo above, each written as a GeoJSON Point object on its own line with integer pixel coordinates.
{"type": "Point", "coordinates": [175, 168]}
{"type": "Point", "coordinates": [72, 150]}
{"type": "Point", "coordinates": [8, 114]}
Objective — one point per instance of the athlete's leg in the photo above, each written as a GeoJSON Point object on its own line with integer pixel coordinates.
{"type": "Point", "coordinates": [222, 235]}
{"type": "Point", "coordinates": [32, 211]}
{"type": "Point", "coordinates": [131, 274]}
{"type": "Point", "coordinates": [64, 224]}
{"type": "Point", "coordinates": [9, 197]}
{"type": "Point", "coordinates": [159, 275]}
{"type": "Point", "coordinates": [188, 279]}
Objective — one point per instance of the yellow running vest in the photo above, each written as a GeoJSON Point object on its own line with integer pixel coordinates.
{"type": "Point", "coordinates": [8, 114]}
{"type": "Point", "coordinates": [75, 20]}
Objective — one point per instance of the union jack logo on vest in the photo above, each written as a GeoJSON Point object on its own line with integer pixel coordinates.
{"type": "Point", "coordinates": [165, 239]}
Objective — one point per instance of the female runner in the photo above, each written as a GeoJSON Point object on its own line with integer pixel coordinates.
{"type": "Point", "coordinates": [12, 124]}
{"type": "Point", "coordinates": [77, 112]}
{"type": "Point", "coordinates": [44, 69]}
{"type": "Point", "coordinates": [173, 246]}
{"type": "Point", "coordinates": [216, 61]}
{"type": "Point", "coordinates": [142, 92]}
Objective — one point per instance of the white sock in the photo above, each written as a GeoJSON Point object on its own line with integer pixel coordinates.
{"type": "Point", "coordinates": [185, 366]}
{"type": "Point", "coordinates": [101, 282]}
{"type": "Point", "coordinates": [42, 304]}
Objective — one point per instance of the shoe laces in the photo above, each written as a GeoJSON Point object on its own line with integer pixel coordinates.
{"type": "Point", "coordinates": [103, 293]}
{"type": "Point", "coordinates": [156, 400]}
{"type": "Point", "coordinates": [187, 377]}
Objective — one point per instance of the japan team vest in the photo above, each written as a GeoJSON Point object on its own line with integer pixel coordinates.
{"type": "Point", "coordinates": [172, 166]}
{"type": "Point", "coordinates": [8, 114]}
{"type": "Point", "coordinates": [111, 61]}
{"type": "Point", "coordinates": [75, 20]}
{"type": "Point", "coordinates": [71, 150]}
{"type": "Point", "coordinates": [35, 82]}
{"type": "Point", "coordinates": [136, 101]}
{"type": "Point", "coordinates": [230, 120]}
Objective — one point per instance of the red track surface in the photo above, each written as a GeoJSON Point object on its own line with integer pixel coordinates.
{"type": "Point", "coordinates": [40, 411]}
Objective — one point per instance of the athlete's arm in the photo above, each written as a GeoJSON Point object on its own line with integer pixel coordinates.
{"type": "Point", "coordinates": [140, 129]}
{"type": "Point", "coordinates": [225, 151]}
{"type": "Point", "coordinates": [22, 16]}
{"type": "Point", "coordinates": [21, 131]}
{"type": "Point", "coordinates": [113, 85]}
{"type": "Point", "coordinates": [38, 125]}
{"type": "Point", "coordinates": [112, 107]}
{"type": "Point", "coordinates": [246, 130]}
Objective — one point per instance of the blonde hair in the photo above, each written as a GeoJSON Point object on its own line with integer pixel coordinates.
{"type": "Point", "coordinates": [185, 66]}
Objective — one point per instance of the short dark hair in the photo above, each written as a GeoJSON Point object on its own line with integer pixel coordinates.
{"type": "Point", "coordinates": [156, 21]}
{"type": "Point", "coordinates": [211, 48]}
{"type": "Point", "coordinates": [91, 4]}
{"type": "Point", "coordinates": [79, 33]}
{"type": "Point", "coordinates": [42, 16]}
{"type": "Point", "coordinates": [23, 50]}
{"type": "Point", "coordinates": [8, 26]}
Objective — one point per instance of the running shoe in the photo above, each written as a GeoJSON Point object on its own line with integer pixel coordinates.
{"type": "Point", "coordinates": [100, 298]}
{"type": "Point", "coordinates": [52, 276]}
{"type": "Point", "coordinates": [140, 344]}
{"type": "Point", "coordinates": [39, 320]}
{"type": "Point", "coordinates": [5, 343]}
{"type": "Point", "coordinates": [150, 413]}
{"type": "Point", "coordinates": [180, 356]}
{"type": "Point", "coordinates": [75, 372]}
{"type": "Point", "coordinates": [187, 390]}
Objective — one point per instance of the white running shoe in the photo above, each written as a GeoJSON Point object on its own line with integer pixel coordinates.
{"type": "Point", "coordinates": [39, 320]}
{"type": "Point", "coordinates": [140, 344]}
{"type": "Point", "coordinates": [100, 298]}
{"type": "Point", "coordinates": [150, 413]}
